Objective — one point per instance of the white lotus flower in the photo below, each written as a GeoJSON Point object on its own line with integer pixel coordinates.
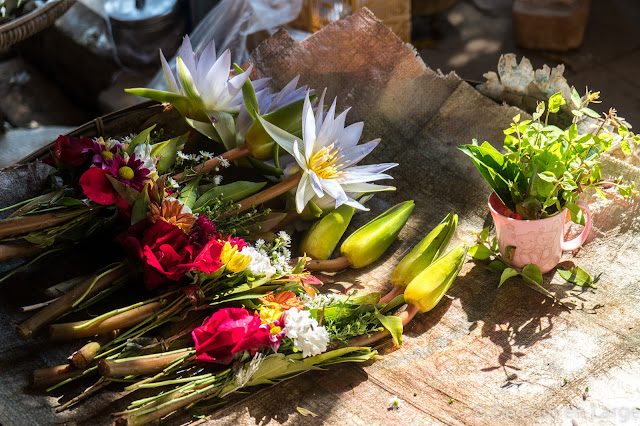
{"type": "Point", "coordinates": [327, 156]}
{"type": "Point", "coordinates": [206, 81]}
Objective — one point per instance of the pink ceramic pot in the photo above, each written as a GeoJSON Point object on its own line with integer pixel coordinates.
{"type": "Point", "coordinates": [540, 242]}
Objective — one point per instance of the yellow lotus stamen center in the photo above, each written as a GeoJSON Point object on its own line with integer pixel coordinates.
{"type": "Point", "coordinates": [126, 172]}
{"type": "Point", "coordinates": [107, 155]}
{"type": "Point", "coordinates": [325, 163]}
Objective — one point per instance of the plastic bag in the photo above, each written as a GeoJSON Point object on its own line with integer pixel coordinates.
{"type": "Point", "coordinates": [235, 25]}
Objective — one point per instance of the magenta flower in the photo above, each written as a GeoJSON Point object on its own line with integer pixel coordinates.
{"type": "Point", "coordinates": [103, 151]}
{"type": "Point", "coordinates": [127, 170]}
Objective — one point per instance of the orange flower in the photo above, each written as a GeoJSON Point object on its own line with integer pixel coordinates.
{"type": "Point", "coordinates": [282, 301]}
{"type": "Point", "coordinates": [171, 212]}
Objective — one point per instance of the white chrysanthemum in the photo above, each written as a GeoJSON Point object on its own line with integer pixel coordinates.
{"type": "Point", "coordinates": [327, 155]}
{"type": "Point", "coordinates": [260, 264]}
{"type": "Point", "coordinates": [285, 239]}
{"type": "Point", "coordinates": [318, 301]}
{"type": "Point", "coordinates": [206, 79]}
{"type": "Point", "coordinates": [308, 337]}
{"type": "Point", "coordinates": [172, 184]}
{"type": "Point", "coordinates": [143, 153]}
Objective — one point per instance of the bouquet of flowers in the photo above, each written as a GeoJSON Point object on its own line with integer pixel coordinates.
{"type": "Point", "coordinates": [222, 305]}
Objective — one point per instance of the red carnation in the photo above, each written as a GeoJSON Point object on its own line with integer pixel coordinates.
{"type": "Point", "coordinates": [72, 151]}
{"type": "Point", "coordinates": [208, 260]}
{"type": "Point", "coordinates": [228, 332]}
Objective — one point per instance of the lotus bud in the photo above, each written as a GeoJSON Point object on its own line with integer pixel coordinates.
{"type": "Point", "coordinates": [425, 252]}
{"type": "Point", "coordinates": [368, 243]}
{"type": "Point", "coordinates": [429, 286]}
{"type": "Point", "coordinates": [259, 142]}
{"type": "Point", "coordinates": [322, 238]}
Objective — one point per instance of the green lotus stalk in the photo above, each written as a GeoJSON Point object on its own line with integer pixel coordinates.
{"type": "Point", "coordinates": [140, 365]}
{"type": "Point", "coordinates": [422, 255]}
{"type": "Point", "coordinates": [86, 354]}
{"type": "Point", "coordinates": [66, 303]}
{"type": "Point", "coordinates": [428, 287]}
{"type": "Point", "coordinates": [369, 242]}
{"type": "Point", "coordinates": [322, 238]}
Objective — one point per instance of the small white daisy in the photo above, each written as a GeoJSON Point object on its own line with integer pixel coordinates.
{"type": "Point", "coordinates": [395, 403]}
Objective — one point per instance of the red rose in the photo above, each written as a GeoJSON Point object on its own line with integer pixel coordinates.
{"type": "Point", "coordinates": [72, 151]}
{"type": "Point", "coordinates": [164, 250]}
{"type": "Point", "coordinates": [228, 332]}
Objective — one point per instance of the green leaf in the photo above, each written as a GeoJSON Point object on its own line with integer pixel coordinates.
{"type": "Point", "coordinates": [205, 128]}
{"type": "Point", "coordinates": [141, 205]}
{"type": "Point", "coordinates": [167, 151]}
{"type": "Point", "coordinates": [484, 235]}
{"type": "Point", "coordinates": [496, 266]}
{"type": "Point", "coordinates": [577, 276]}
{"type": "Point", "coordinates": [181, 102]}
{"type": "Point", "coordinates": [623, 130]}
{"type": "Point", "coordinates": [129, 194]}
{"type": "Point", "coordinates": [600, 193]}
{"type": "Point", "coordinates": [626, 146]}
{"type": "Point", "coordinates": [141, 138]}
{"type": "Point", "coordinates": [509, 252]}
{"type": "Point", "coordinates": [591, 113]}
{"type": "Point", "coordinates": [393, 324]}
{"type": "Point", "coordinates": [547, 176]}
{"type": "Point", "coordinates": [235, 191]}
{"type": "Point", "coordinates": [506, 274]}
{"type": "Point", "coordinates": [532, 272]}
{"type": "Point", "coordinates": [264, 168]}
{"type": "Point", "coordinates": [555, 102]}
{"type": "Point", "coordinates": [249, 96]}
{"type": "Point", "coordinates": [189, 193]}
{"type": "Point", "coordinates": [575, 98]}
{"type": "Point", "coordinates": [576, 213]}
{"type": "Point", "coordinates": [225, 127]}
{"type": "Point", "coordinates": [480, 252]}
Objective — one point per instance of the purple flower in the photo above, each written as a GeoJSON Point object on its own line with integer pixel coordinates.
{"type": "Point", "coordinates": [103, 152]}
{"type": "Point", "coordinates": [127, 170]}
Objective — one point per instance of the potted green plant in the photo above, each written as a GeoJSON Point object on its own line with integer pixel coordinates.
{"type": "Point", "coordinates": [542, 175]}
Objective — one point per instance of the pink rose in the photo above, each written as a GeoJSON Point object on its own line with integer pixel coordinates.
{"type": "Point", "coordinates": [228, 332]}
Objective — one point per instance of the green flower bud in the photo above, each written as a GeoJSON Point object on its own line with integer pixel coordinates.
{"type": "Point", "coordinates": [322, 238]}
{"type": "Point", "coordinates": [259, 142]}
{"type": "Point", "coordinates": [368, 243]}
{"type": "Point", "coordinates": [425, 252]}
{"type": "Point", "coordinates": [426, 289]}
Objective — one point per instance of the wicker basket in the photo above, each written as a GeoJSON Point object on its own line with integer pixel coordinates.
{"type": "Point", "coordinates": [33, 22]}
{"type": "Point", "coordinates": [122, 123]}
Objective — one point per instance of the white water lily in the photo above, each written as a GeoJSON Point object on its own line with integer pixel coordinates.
{"type": "Point", "coordinates": [327, 157]}
{"type": "Point", "coordinates": [205, 81]}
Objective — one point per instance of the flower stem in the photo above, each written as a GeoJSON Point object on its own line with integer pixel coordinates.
{"type": "Point", "coordinates": [45, 377]}
{"type": "Point", "coordinates": [18, 250]}
{"type": "Point", "coordinates": [337, 264]}
{"type": "Point", "coordinates": [66, 303]}
{"type": "Point", "coordinates": [395, 291]}
{"type": "Point", "coordinates": [266, 195]}
{"type": "Point", "coordinates": [64, 286]}
{"type": "Point", "coordinates": [231, 155]}
{"type": "Point", "coordinates": [74, 330]}
{"type": "Point", "coordinates": [370, 340]}
{"type": "Point", "coordinates": [35, 222]}
{"type": "Point", "coordinates": [85, 355]}
{"type": "Point", "coordinates": [140, 365]}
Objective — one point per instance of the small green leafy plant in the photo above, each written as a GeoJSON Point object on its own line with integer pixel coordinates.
{"type": "Point", "coordinates": [545, 168]}
{"type": "Point", "coordinates": [486, 248]}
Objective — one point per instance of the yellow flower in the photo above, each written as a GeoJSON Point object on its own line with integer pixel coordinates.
{"type": "Point", "coordinates": [234, 260]}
